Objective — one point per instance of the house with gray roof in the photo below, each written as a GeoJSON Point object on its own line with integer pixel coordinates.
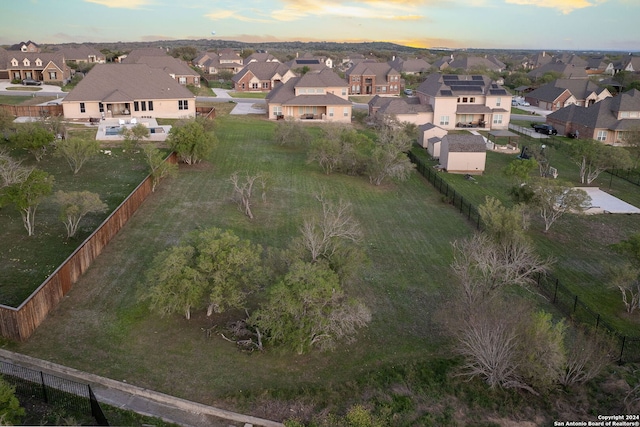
{"type": "Point", "coordinates": [373, 78]}
{"type": "Point", "coordinates": [261, 76]}
{"type": "Point", "coordinates": [564, 70]}
{"type": "Point", "coordinates": [83, 53]}
{"type": "Point", "coordinates": [177, 69]}
{"type": "Point", "coordinates": [260, 57]}
{"type": "Point", "coordinates": [225, 60]}
{"type": "Point", "coordinates": [128, 91]}
{"type": "Point", "coordinates": [470, 63]}
{"type": "Point", "coordinates": [408, 110]}
{"type": "Point", "coordinates": [465, 101]}
{"type": "Point", "coordinates": [415, 66]}
{"type": "Point", "coordinates": [317, 95]}
{"type": "Point", "coordinates": [463, 153]}
{"type": "Point", "coordinates": [606, 121]}
{"type": "Point", "coordinates": [563, 92]}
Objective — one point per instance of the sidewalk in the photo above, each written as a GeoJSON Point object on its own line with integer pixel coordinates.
{"type": "Point", "coordinates": [143, 401]}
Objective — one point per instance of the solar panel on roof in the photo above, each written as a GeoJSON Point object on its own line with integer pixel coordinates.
{"type": "Point", "coordinates": [498, 92]}
{"type": "Point", "coordinates": [494, 86]}
{"type": "Point", "coordinates": [466, 83]}
{"type": "Point", "coordinates": [446, 93]}
{"type": "Point", "coordinates": [450, 77]}
{"type": "Point", "coordinates": [477, 78]}
{"type": "Point", "coordinates": [308, 61]}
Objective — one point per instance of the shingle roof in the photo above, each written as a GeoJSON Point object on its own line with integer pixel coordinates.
{"type": "Point", "coordinates": [135, 54]}
{"type": "Point", "coordinates": [547, 93]}
{"type": "Point", "coordinates": [55, 57]}
{"type": "Point", "coordinates": [80, 52]}
{"type": "Point", "coordinates": [378, 69]}
{"type": "Point", "coordinates": [476, 61]}
{"type": "Point", "coordinates": [285, 93]}
{"type": "Point", "coordinates": [568, 71]}
{"type": "Point", "coordinates": [125, 82]}
{"type": "Point", "coordinates": [322, 78]}
{"type": "Point", "coordinates": [465, 143]}
{"type": "Point", "coordinates": [388, 105]}
{"type": "Point", "coordinates": [455, 85]}
{"type": "Point", "coordinates": [417, 65]}
{"type": "Point", "coordinates": [167, 63]}
{"type": "Point", "coordinates": [603, 114]}
{"type": "Point", "coordinates": [262, 70]}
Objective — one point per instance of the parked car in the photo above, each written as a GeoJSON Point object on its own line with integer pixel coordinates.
{"type": "Point", "coordinates": [31, 82]}
{"type": "Point", "coordinates": [408, 92]}
{"type": "Point", "coordinates": [544, 128]}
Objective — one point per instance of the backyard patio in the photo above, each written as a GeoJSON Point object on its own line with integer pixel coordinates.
{"type": "Point", "coordinates": [110, 129]}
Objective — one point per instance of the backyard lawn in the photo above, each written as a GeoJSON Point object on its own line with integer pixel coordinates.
{"type": "Point", "coordinates": [102, 327]}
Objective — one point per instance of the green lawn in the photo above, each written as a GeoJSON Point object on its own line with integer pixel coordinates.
{"type": "Point", "coordinates": [26, 261]}
{"type": "Point", "coordinates": [248, 95]}
{"type": "Point", "coordinates": [103, 328]}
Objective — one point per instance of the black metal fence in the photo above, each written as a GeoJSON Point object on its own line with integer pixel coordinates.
{"type": "Point", "coordinates": [569, 303]}
{"type": "Point", "coordinates": [58, 392]}
{"type": "Point", "coordinates": [630, 175]}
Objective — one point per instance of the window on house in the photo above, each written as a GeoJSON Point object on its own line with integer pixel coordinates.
{"type": "Point", "coordinates": [101, 107]}
{"type": "Point", "coordinates": [53, 75]}
{"type": "Point", "coordinates": [498, 101]}
{"type": "Point", "coordinates": [472, 100]}
{"type": "Point", "coordinates": [465, 99]}
{"type": "Point", "coordinates": [182, 80]}
{"type": "Point", "coordinates": [14, 62]}
{"type": "Point", "coordinates": [26, 62]}
{"type": "Point", "coordinates": [82, 109]}
{"type": "Point", "coordinates": [624, 114]}
{"type": "Point", "coordinates": [444, 120]}
{"type": "Point", "coordinates": [254, 86]}
{"type": "Point", "coordinates": [38, 63]}
{"type": "Point", "coordinates": [330, 111]}
{"type": "Point", "coordinates": [345, 112]}
{"type": "Point", "coordinates": [136, 106]}
{"type": "Point", "coordinates": [143, 104]}
{"type": "Point", "coordinates": [265, 85]}
{"type": "Point", "coordinates": [183, 104]}
{"type": "Point", "coordinates": [277, 110]}
{"type": "Point", "coordinates": [150, 105]}
{"type": "Point", "coordinates": [602, 135]}
{"type": "Point", "coordinates": [497, 119]}
{"type": "Point", "coordinates": [344, 91]}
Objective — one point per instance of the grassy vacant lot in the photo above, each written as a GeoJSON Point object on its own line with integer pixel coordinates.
{"type": "Point", "coordinates": [101, 326]}
{"type": "Point", "coordinates": [26, 261]}
{"type": "Point", "coordinates": [400, 361]}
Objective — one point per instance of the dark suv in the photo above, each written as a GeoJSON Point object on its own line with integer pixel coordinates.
{"type": "Point", "coordinates": [544, 128]}
{"type": "Point", "coordinates": [31, 82]}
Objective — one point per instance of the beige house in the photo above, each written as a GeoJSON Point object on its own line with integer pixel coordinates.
{"type": "Point", "coordinates": [465, 101]}
{"type": "Point", "coordinates": [261, 76]}
{"type": "Point", "coordinates": [461, 153]}
{"type": "Point", "coordinates": [430, 137]}
{"type": "Point", "coordinates": [408, 110]}
{"type": "Point", "coordinates": [317, 95]}
{"type": "Point", "coordinates": [128, 91]}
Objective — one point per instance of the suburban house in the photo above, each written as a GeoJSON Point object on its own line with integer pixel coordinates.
{"type": "Point", "coordinates": [83, 53]}
{"type": "Point", "coordinates": [317, 95]}
{"type": "Point", "coordinates": [27, 46]}
{"type": "Point", "coordinates": [631, 64]}
{"type": "Point", "coordinates": [44, 67]}
{"type": "Point", "coordinates": [306, 63]}
{"type": "Point", "coordinates": [463, 153]}
{"type": "Point", "coordinates": [464, 101]}
{"type": "Point", "coordinates": [605, 121]}
{"type": "Point", "coordinates": [128, 91]}
{"type": "Point", "coordinates": [429, 137]}
{"type": "Point", "coordinates": [538, 60]}
{"type": "Point", "coordinates": [408, 110]}
{"type": "Point", "coordinates": [260, 57]}
{"type": "Point", "coordinates": [563, 92]}
{"type": "Point", "coordinates": [598, 65]}
{"type": "Point", "coordinates": [564, 70]}
{"type": "Point", "coordinates": [373, 78]}
{"type": "Point", "coordinates": [225, 60]}
{"type": "Point", "coordinates": [177, 69]}
{"type": "Point", "coordinates": [261, 76]}
{"type": "Point", "coordinates": [415, 66]}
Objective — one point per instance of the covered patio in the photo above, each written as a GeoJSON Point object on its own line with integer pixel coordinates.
{"type": "Point", "coordinates": [110, 129]}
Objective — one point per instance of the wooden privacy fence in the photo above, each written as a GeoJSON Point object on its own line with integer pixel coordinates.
{"type": "Point", "coordinates": [32, 110]}
{"type": "Point", "coordinates": [19, 323]}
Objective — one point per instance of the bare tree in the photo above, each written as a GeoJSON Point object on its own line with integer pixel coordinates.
{"type": "Point", "coordinates": [587, 355]}
{"type": "Point", "coordinates": [11, 170]}
{"type": "Point", "coordinates": [243, 191]}
{"type": "Point", "coordinates": [484, 266]}
{"type": "Point", "coordinates": [321, 234]}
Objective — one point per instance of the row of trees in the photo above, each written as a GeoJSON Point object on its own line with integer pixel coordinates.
{"type": "Point", "coordinates": [302, 303]}
{"type": "Point", "coordinates": [500, 336]}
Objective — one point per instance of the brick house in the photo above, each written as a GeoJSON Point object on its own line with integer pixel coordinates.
{"type": "Point", "coordinates": [373, 78]}
{"type": "Point", "coordinates": [261, 76]}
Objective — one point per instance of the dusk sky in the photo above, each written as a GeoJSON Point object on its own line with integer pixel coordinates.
{"type": "Point", "coordinates": [527, 24]}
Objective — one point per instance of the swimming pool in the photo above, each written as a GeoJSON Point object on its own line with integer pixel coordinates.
{"type": "Point", "coordinates": [112, 130]}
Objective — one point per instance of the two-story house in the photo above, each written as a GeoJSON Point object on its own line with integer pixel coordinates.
{"type": "Point", "coordinates": [317, 95]}
{"type": "Point", "coordinates": [44, 67]}
{"type": "Point", "coordinates": [563, 92]}
{"type": "Point", "coordinates": [261, 76]}
{"type": "Point", "coordinates": [373, 78]}
{"type": "Point", "coordinates": [83, 53]}
{"type": "Point", "coordinates": [606, 121]}
{"type": "Point", "coordinates": [224, 60]}
{"type": "Point", "coordinates": [463, 101]}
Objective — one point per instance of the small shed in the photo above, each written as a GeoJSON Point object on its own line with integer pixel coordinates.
{"type": "Point", "coordinates": [429, 136]}
{"type": "Point", "coordinates": [461, 153]}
